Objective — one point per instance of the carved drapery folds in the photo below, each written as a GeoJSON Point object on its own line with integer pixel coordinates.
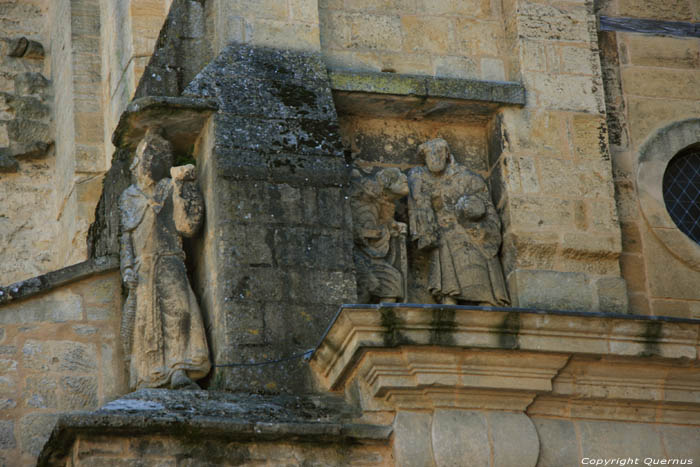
{"type": "Point", "coordinates": [162, 328]}
{"type": "Point", "coordinates": [451, 219]}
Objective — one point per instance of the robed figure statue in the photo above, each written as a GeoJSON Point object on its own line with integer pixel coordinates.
{"type": "Point", "coordinates": [452, 217]}
{"type": "Point", "coordinates": [161, 325]}
{"type": "Point", "coordinates": [380, 241]}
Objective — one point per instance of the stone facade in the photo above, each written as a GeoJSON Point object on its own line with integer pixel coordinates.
{"type": "Point", "coordinates": [570, 111]}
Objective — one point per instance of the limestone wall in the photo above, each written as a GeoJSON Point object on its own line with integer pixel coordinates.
{"type": "Point", "coordinates": [460, 39]}
{"type": "Point", "coordinates": [26, 230]}
{"type": "Point", "coordinates": [652, 83]}
{"type": "Point", "coordinates": [59, 351]}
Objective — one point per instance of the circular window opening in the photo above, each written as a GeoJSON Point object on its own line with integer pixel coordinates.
{"type": "Point", "coordinates": [681, 187]}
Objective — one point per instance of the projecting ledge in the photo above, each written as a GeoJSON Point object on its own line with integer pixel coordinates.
{"type": "Point", "coordinates": [505, 358]}
{"type": "Point", "coordinates": [180, 118]}
{"type": "Point", "coordinates": [421, 97]}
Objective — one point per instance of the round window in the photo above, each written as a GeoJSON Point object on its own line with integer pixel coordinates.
{"type": "Point", "coordinates": [681, 190]}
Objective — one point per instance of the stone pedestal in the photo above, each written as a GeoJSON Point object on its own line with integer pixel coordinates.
{"type": "Point", "coordinates": [508, 387]}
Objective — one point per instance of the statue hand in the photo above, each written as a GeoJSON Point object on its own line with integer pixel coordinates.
{"type": "Point", "coordinates": [398, 228]}
{"type": "Point", "coordinates": [183, 172]}
{"type": "Point", "coordinates": [130, 278]}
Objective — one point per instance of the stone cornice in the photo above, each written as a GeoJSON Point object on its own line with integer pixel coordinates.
{"type": "Point", "coordinates": [51, 280]}
{"type": "Point", "coordinates": [421, 97]}
{"type": "Point", "coordinates": [427, 356]}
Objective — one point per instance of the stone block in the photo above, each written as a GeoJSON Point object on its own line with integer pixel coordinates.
{"type": "Point", "coordinates": [564, 92]}
{"type": "Point", "coordinates": [590, 139]}
{"type": "Point", "coordinates": [578, 60]}
{"type": "Point", "coordinates": [673, 10]}
{"type": "Point", "coordinates": [455, 67]}
{"type": "Point", "coordinates": [304, 10]}
{"type": "Point", "coordinates": [492, 69]}
{"type": "Point", "coordinates": [7, 435]}
{"type": "Point", "coordinates": [31, 84]}
{"type": "Point", "coordinates": [529, 250]}
{"type": "Point", "coordinates": [653, 82]}
{"type": "Point", "coordinates": [681, 441]}
{"type": "Point", "coordinates": [549, 22]}
{"type": "Point", "coordinates": [28, 131]}
{"type": "Point", "coordinates": [63, 356]}
{"type": "Point", "coordinates": [666, 52]}
{"type": "Point", "coordinates": [473, 38]}
{"type": "Point", "coordinates": [425, 34]}
{"type": "Point", "coordinates": [667, 276]}
{"type": "Point", "coordinates": [460, 435]}
{"type": "Point", "coordinates": [540, 212]}
{"type": "Point", "coordinates": [245, 323]}
{"type": "Point", "coordinates": [538, 131]}
{"type": "Point", "coordinates": [514, 439]}
{"type": "Point", "coordinates": [375, 32]}
{"type": "Point", "coordinates": [557, 446]}
{"type": "Point", "coordinates": [634, 271]}
{"type": "Point", "coordinates": [631, 238]}
{"type": "Point", "coordinates": [612, 295]}
{"type": "Point", "coordinates": [78, 393]}
{"type": "Point", "coordinates": [551, 290]}
{"type": "Point", "coordinates": [40, 392]}
{"type": "Point", "coordinates": [606, 439]}
{"type": "Point", "coordinates": [412, 439]}
{"type": "Point", "coordinates": [58, 307]}
{"type": "Point", "coordinates": [34, 431]}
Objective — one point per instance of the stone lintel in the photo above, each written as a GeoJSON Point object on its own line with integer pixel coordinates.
{"type": "Point", "coordinates": [51, 280]}
{"type": "Point", "coordinates": [208, 415]}
{"type": "Point", "coordinates": [428, 356]}
{"type": "Point", "coordinates": [180, 118]}
{"type": "Point", "coordinates": [421, 97]}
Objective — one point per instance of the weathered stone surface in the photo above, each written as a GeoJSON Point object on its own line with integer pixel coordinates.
{"type": "Point", "coordinates": [551, 290]}
{"type": "Point", "coordinates": [459, 435]}
{"type": "Point", "coordinates": [612, 295]}
{"type": "Point", "coordinates": [40, 392]}
{"type": "Point", "coordinates": [78, 392]}
{"type": "Point", "coordinates": [412, 442]}
{"type": "Point", "coordinates": [7, 436]}
{"type": "Point", "coordinates": [556, 448]}
{"type": "Point", "coordinates": [34, 431]}
{"type": "Point", "coordinates": [31, 84]}
{"type": "Point", "coordinates": [59, 356]}
{"type": "Point", "coordinates": [515, 440]}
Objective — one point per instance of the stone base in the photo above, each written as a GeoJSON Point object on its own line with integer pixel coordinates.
{"type": "Point", "coordinates": [164, 427]}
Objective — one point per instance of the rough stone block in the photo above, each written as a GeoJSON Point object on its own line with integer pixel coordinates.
{"type": "Point", "coordinates": [78, 393]}
{"type": "Point", "coordinates": [634, 271]}
{"type": "Point", "coordinates": [538, 21]}
{"type": "Point", "coordinates": [425, 34]}
{"type": "Point", "coordinates": [7, 435]}
{"type": "Point", "coordinates": [64, 356]}
{"type": "Point", "coordinates": [653, 82]}
{"type": "Point", "coordinates": [612, 295]}
{"type": "Point", "coordinates": [245, 323]}
{"type": "Point", "coordinates": [474, 38]}
{"type": "Point", "coordinates": [492, 69]}
{"type": "Point", "coordinates": [56, 308]}
{"type": "Point", "coordinates": [564, 92]}
{"type": "Point", "coordinates": [375, 32]}
{"type": "Point", "coordinates": [536, 211]}
{"type": "Point", "coordinates": [412, 443]}
{"type": "Point", "coordinates": [514, 438]}
{"type": "Point", "coordinates": [28, 131]}
{"type": "Point", "coordinates": [551, 290]}
{"type": "Point", "coordinates": [455, 67]}
{"type": "Point", "coordinates": [556, 442]}
{"type": "Point", "coordinates": [34, 431]}
{"type": "Point", "coordinates": [31, 84]}
{"type": "Point", "coordinates": [470, 428]}
{"type": "Point", "coordinates": [674, 10]}
{"type": "Point", "coordinates": [667, 52]}
{"type": "Point", "coordinates": [601, 439]}
{"type": "Point", "coordinates": [40, 392]}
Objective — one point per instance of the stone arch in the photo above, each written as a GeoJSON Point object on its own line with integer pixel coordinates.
{"type": "Point", "coordinates": [652, 160]}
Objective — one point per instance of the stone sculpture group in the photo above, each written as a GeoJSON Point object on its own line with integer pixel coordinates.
{"type": "Point", "coordinates": [451, 218]}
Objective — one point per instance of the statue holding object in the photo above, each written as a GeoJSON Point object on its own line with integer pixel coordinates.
{"type": "Point", "coordinates": [162, 327]}
{"type": "Point", "coordinates": [380, 241]}
{"type": "Point", "coordinates": [452, 217]}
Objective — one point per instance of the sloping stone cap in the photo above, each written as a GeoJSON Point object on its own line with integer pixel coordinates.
{"type": "Point", "coordinates": [180, 118]}
{"type": "Point", "coordinates": [51, 280]}
{"type": "Point", "coordinates": [357, 328]}
{"type": "Point", "coordinates": [419, 97]}
{"type": "Point", "coordinates": [210, 414]}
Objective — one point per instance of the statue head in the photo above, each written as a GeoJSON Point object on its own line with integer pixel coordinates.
{"type": "Point", "coordinates": [153, 158]}
{"type": "Point", "coordinates": [436, 154]}
{"type": "Point", "coordinates": [393, 181]}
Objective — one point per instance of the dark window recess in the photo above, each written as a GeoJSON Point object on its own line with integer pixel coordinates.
{"type": "Point", "coordinates": [682, 191]}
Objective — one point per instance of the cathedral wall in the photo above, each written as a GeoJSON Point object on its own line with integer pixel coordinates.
{"type": "Point", "coordinates": [59, 351]}
{"type": "Point", "coordinates": [652, 82]}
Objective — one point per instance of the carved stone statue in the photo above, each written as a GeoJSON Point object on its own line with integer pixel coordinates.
{"type": "Point", "coordinates": [380, 241]}
{"type": "Point", "coordinates": [452, 217]}
{"type": "Point", "coordinates": [161, 324]}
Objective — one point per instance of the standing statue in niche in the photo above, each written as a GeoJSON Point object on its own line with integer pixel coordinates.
{"type": "Point", "coordinates": [452, 217]}
{"type": "Point", "coordinates": [380, 241]}
{"type": "Point", "coordinates": [162, 325]}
